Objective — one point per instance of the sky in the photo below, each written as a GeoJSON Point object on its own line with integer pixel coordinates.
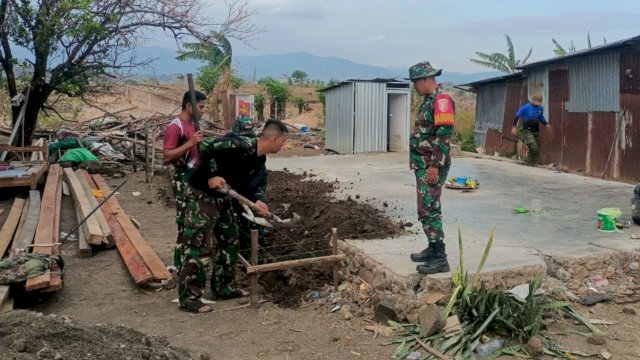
{"type": "Point", "coordinates": [399, 33]}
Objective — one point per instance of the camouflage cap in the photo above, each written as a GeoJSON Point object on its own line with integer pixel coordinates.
{"type": "Point", "coordinates": [243, 126]}
{"type": "Point", "coordinates": [421, 70]}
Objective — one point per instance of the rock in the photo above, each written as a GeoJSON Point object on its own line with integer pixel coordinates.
{"type": "Point", "coordinates": [535, 347]}
{"type": "Point", "coordinates": [597, 339]}
{"type": "Point", "coordinates": [629, 311]}
{"type": "Point", "coordinates": [605, 355]}
{"type": "Point", "coordinates": [414, 317]}
{"type": "Point", "coordinates": [580, 272]}
{"type": "Point", "coordinates": [20, 345]}
{"type": "Point", "coordinates": [57, 356]}
{"type": "Point", "coordinates": [563, 274]}
{"type": "Point", "coordinates": [345, 311]}
{"type": "Point", "coordinates": [415, 355]}
{"type": "Point", "coordinates": [368, 312]}
{"type": "Point", "coordinates": [205, 356]}
{"type": "Point", "coordinates": [431, 320]}
{"type": "Point", "coordinates": [452, 325]}
{"type": "Point", "coordinates": [571, 296]}
{"type": "Point", "coordinates": [634, 265]}
{"type": "Point", "coordinates": [385, 310]}
{"type": "Point", "coordinates": [46, 353]}
{"type": "Point", "coordinates": [146, 341]}
{"type": "Point", "coordinates": [431, 298]}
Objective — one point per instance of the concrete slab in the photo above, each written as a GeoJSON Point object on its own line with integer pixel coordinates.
{"type": "Point", "coordinates": [566, 227]}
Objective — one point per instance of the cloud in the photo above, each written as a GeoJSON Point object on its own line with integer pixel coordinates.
{"type": "Point", "coordinates": [375, 39]}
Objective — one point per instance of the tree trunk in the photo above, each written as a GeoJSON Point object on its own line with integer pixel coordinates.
{"type": "Point", "coordinates": [37, 98]}
{"type": "Point", "coordinates": [260, 113]}
{"type": "Point", "coordinates": [282, 107]}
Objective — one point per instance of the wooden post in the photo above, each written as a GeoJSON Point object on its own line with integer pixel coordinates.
{"type": "Point", "coordinates": [254, 262]}
{"type": "Point", "coordinates": [334, 242]}
{"type": "Point", "coordinates": [146, 151]}
{"type": "Point", "coordinates": [153, 148]}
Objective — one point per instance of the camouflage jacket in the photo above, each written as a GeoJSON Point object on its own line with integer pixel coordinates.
{"type": "Point", "coordinates": [431, 136]}
{"type": "Point", "coordinates": [235, 159]}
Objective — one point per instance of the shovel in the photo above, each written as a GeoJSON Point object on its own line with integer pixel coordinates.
{"type": "Point", "coordinates": [249, 205]}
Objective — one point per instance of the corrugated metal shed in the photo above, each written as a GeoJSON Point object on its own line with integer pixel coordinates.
{"type": "Point", "coordinates": [594, 83]}
{"type": "Point", "coordinates": [370, 117]}
{"type": "Point", "coordinates": [489, 110]}
{"type": "Point", "coordinates": [339, 122]}
{"type": "Point", "coordinates": [357, 116]}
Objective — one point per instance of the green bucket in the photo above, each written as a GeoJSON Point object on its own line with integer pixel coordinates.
{"type": "Point", "coordinates": [607, 219]}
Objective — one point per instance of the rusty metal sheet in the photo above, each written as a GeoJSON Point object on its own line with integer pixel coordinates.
{"type": "Point", "coordinates": [493, 142]}
{"type": "Point", "coordinates": [551, 141]}
{"type": "Point", "coordinates": [574, 136]}
{"type": "Point", "coordinates": [559, 85]}
{"type": "Point", "coordinates": [630, 138]}
{"type": "Point", "coordinates": [601, 134]}
{"type": "Point", "coordinates": [630, 71]}
{"type": "Point", "coordinates": [516, 97]}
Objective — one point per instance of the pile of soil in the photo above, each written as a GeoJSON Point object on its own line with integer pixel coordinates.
{"type": "Point", "coordinates": [313, 200]}
{"type": "Point", "coordinates": [30, 335]}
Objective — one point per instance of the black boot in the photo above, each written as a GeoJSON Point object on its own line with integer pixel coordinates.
{"type": "Point", "coordinates": [423, 255]}
{"type": "Point", "coordinates": [436, 262]}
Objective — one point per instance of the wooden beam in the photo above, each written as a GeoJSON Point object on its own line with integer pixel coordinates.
{"type": "Point", "coordinates": [92, 228]}
{"type": "Point", "coordinates": [24, 236]}
{"type": "Point", "coordinates": [44, 231]}
{"type": "Point", "coordinates": [294, 263]}
{"type": "Point", "coordinates": [84, 249]}
{"type": "Point", "coordinates": [6, 302]}
{"type": "Point", "coordinates": [106, 232]}
{"type": "Point", "coordinates": [10, 225]}
{"type": "Point", "coordinates": [151, 259]}
{"type": "Point", "coordinates": [39, 282]}
{"type": "Point", "coordinates": [243, 261]}
{"type": "Point", "coordinates": [56, 277]}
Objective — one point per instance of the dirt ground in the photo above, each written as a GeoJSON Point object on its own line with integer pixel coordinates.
{"type": "Point", "coordinates": [98, 290]}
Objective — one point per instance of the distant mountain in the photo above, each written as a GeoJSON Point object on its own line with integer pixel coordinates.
{"type": "Point", "coordinates": [165, 67]}
{"type": "Point", "coordinates": [277, 66]}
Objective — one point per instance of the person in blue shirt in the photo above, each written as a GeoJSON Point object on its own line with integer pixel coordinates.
{"type": "Point", "coordinates": [532, 114]}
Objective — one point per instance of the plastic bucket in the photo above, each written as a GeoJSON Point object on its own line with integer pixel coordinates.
{"type": "Point", "coordinates": [607, 219]}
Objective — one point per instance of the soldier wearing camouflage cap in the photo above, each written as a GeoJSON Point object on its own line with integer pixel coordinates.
{"type": "Point", "coordinates": [430, 160]}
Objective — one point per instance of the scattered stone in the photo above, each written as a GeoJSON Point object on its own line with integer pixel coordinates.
{"type": "Point", "coordinates": [634, 265]}
{"type": "Point", "coordinates": [385, 204]}
{"type": "Point", "coordinates": [414, 317]}
{"type": "Point", "coordinates": [46, 353]}
{"type": "Point", "coordinates": [431, 298]}
{"type": "Point", "coordinates": [146, 341]}
{"type": "Point", "coordinates": [431, 320]}
{"type": "Point", "coordinates": [58, 356]}
{"type": "Point", "coordinates": [452, 325]}
{"type": "Point", "coordinates": [205, 356]}
{"type": "Point", "coordinates": [597, 339]}
{"type": "Point", "coordinates": [385, 310]}
{"type": "Point", "coordinates": [629, 311]}
{"type": "Point", "coordinates": [563, 274]}
{"type": "Point", "coordinates": [605, 355]}
{"type": "Point", "coordinates": [594, 299]}
{"type": "Point", "coordinates": [346, 312]}
{"type": "Point", "coordinates": [535, 347]}
{"type": "Point", "coordinates": [20, 345]}
{"type": "Point", "coordinates": [415, 355]}
{"type": "Point", "coordinates": [571, 296]}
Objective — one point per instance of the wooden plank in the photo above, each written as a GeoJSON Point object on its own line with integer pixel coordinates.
{"type": "Point", "coordinates": [91, 226]}
{"type": "Point", "coordinates": [44, 230]}
{"type": "Point", "coordinates": [55, 284]}
{"type": "Point", "coordinates": [25, 238]}
{"type": "Point", "coordinates": [151, 259]}
{"type": "Point", "coordinates": [39, 282]}
{"type": "Point", "coordinates": [56, 277]}
{"type": "Point", "coordinates": [84, 249]}
{"type": "Point", "coordinates": [5, 299]}
{"type": "Point", "coordinates": [19, 230]}
{"type": "Point", "coordinates": [294, 263]}
{"type": "Point", "coordinates": [10, 225]}
{"type": "Point", "coordinates": [106, 232]}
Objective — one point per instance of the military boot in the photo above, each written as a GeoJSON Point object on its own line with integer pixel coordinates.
{"type": "Point", "coordinates": [423, 255]}
{"type": "Point", "coordinates": [436, 261]}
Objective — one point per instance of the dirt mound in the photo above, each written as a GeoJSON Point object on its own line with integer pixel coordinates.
{"type": "Point", "coordinates": [310, 237]}
{"type": "Point", "coordinates": [31, 335]}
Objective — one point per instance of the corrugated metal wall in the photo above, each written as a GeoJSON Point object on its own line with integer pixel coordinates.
{"type": "Point", "coordinates": [538, 81]}
{"type": "Point", "coordinates": [339, 121]}
{"type": "Point", "coordinates": [371, 117]}
{"type": "Point", "coordinates": [489, 110]}
{"type": "Point", "coordinates": [629, 142]}
{"type": "Point", "coordinates": [594, 83]}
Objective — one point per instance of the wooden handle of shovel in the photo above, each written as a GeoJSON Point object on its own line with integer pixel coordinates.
{"type": "Point", "coordinates": [243, 200]}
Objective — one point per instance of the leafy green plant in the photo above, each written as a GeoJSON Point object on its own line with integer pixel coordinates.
{"type": "Point", "coordinates": [299, 102]}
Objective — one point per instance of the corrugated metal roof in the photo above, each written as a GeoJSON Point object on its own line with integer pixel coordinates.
{"type": "Point", "coordinates": [594, 83]}
{"type": "Point", "coordinates": [493, 80]}
{"type": "Point", "coordinates": [594, 50]}
{"type": "Point", "coordinates": [376, 80]}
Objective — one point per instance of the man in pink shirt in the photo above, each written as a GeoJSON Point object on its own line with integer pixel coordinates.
{"type": "Point", "coordinates": [181, 150]}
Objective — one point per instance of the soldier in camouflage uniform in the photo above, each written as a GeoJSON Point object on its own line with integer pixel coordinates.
{"type": "Point", "coordinates": [430, 160]}
{"type": "Point", "coordinates": [244, 127]}
{"type": "Point", "coordinates": [211, 229]}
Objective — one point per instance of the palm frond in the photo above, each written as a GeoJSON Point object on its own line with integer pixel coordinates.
{"type": "Point", "coordinates": [559, 50]}
{"type": "Point", "coordinates": [526, 58]}
{"type": "Point", "coordinates": [490, 65]}
{"type": "Point", "coordinates": [588, 40]}
{"type": "Point", "coordinates": [510, 49]}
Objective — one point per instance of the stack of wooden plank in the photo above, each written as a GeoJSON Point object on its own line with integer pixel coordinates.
{"type": "Point", "coordinates": [95, 230]}
{"type": "Point", "coordinates": [143, 263]}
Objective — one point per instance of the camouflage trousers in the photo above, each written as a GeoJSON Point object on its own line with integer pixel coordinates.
{"type": "Point", "coordinates": [210, 233]}
{"type": "Point", "coordinates": [530, 138]}
{"type": "Point", "coordinates": [178, 183]}
{"type": "Point", "coordinates": [429, 207]}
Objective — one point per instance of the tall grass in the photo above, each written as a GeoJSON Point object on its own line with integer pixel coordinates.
{"type": "Point", "coordinates": [464, 130]}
